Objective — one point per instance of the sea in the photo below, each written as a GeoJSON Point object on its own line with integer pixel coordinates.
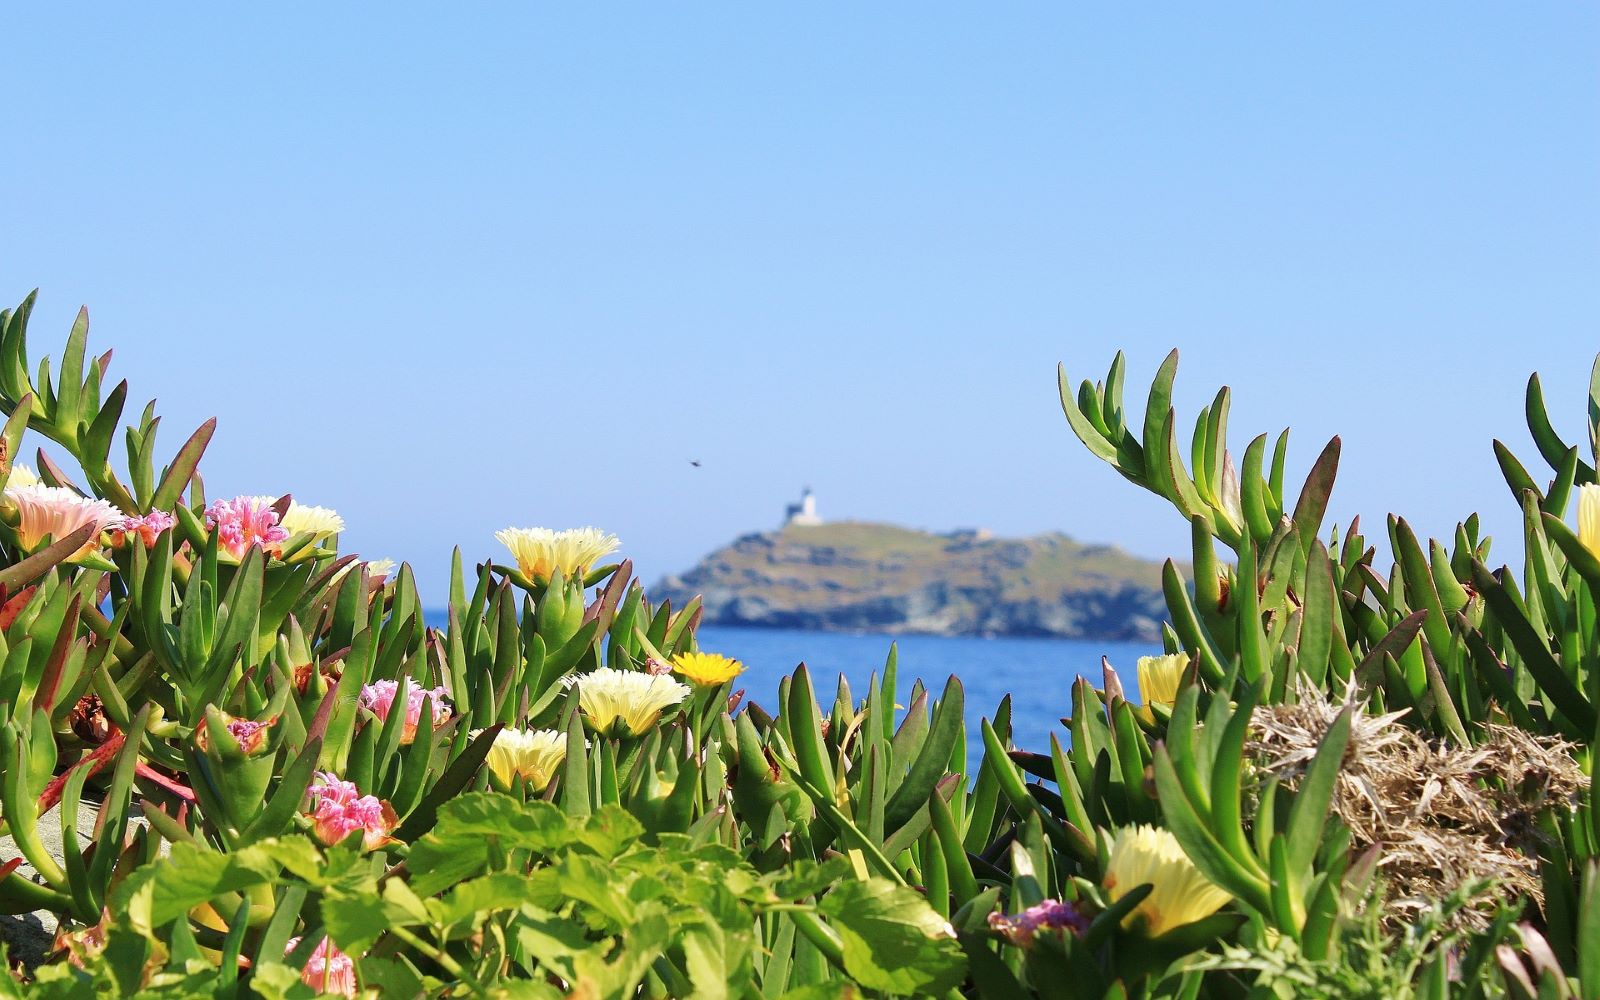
{"type": "Point", "coordinates": [1037, 673]}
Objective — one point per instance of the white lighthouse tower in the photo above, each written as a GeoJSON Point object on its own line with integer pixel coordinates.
{"type": "Point", "coordinates": [804, 512]}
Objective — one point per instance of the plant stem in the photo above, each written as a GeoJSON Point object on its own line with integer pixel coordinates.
{"type": "Point", "coordinates": [449, 964]}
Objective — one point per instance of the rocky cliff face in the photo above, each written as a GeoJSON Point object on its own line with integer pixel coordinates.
{"type": "Point", "coordinates": [876, 577]}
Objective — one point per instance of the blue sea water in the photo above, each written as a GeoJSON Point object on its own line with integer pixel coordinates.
{"type": "Point", "coordinates": [1037, 673]}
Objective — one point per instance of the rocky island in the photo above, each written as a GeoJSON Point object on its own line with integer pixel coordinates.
{"type": "Point", "coordinates": [858, 576]}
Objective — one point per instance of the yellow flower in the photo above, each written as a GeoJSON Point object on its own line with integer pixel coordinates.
{"type": "Point", "coordinates": [1159, 677]}
{"type": "Point", "coordinates": [707, 668]}
{"type": "Point", "coordinates": [1143, 855]}
{"type": "Point", "coordinates": [320, 523]}
{"type": "Point", "coordinates": [532, 755]}
{"type": "Point", "coordinates": [625, 702]}
{"type": "Point", "coordinates": [539, 552]}
{"type": "Point", "coordinates": [1589, 518]}
{"type": "Point", "coordinates": [21, 475]}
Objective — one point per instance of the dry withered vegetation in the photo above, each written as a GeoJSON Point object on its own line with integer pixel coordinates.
{"type": "Point", "coordinates": [1440, 816]}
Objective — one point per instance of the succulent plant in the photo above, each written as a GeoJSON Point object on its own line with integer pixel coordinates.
{"type": "Point", "coordinates": [302, 787]}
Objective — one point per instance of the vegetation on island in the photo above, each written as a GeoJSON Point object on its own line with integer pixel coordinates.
{"type": "Point", "coordinates": [860, 576]}
{"type": "Point", "coordinates": [1344, 779]}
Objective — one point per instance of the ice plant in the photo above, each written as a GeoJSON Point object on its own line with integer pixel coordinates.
{"type": "Point", "coordinates": [377, 570]}
{"type": "Point", "coordinates": [1159, 677]}
{"type": "Point", "coordinates": [706, 669]}
{"type": "Point", "coordinates": [532, 755]}
{"type": "Point", "coordinates": [56, 512]}
{"type": "Point", "coordinates": [1051, 914]}
{"type": "Point", "coordinates": [378, 698]}
{"type": "Point", "coordinates": [84, 946]}
{"type": "Point", "coordinates": [321, 523]}
{"type": "Point", "coordinates": [251, 737]}
{"type": "Point", "coordinates": [340, 810]}
{"type": "Point", "coordinates": [1589, 518]}
{"type": "Point", "coordinates": [146, 527]}
{"type": "Point", "coordinates": [540, 552]}
{"type": "Point", "coordinates": [243, 522]}
{"type": "Point", "coordinates": [328, 970]}
{"type": "Point", "coordinates": [21, 475]}
{"type": "Point", "coordinates": [625, 702]}
{"type": "Point", "coordinates": [1148, 855]}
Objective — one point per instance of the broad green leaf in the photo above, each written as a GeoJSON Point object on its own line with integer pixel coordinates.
{"type": "Point", "coordinates": [893, 940]}
{"type": "Point", "coordinates": [192, 875]}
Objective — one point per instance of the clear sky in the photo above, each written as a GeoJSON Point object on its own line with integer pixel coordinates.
{"type": "Point", "coordinates": [507, 265]}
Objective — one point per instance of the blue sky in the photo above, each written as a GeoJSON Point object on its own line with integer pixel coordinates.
{"type": "Point", "coordinates": [507, 265]}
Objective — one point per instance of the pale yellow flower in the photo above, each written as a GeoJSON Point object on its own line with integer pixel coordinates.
{"type": "Point", "coordinates": [379, 569]}
{"type": "Point", "coordinates": [321, 523]}
{"type": "Point", "coordinates": [57, 512]}
{"type": "Point", "coordinates": [539, 552]}
{"type": "Point", "coordinates": [1589, 518]}
{"type": "Point", "coordinates": [625, 702]}
{"type": "Point", "coordinates": [21, 475]}
{"type": "Point", "coordinates": [706, 668]}
{"type": "Point", "coordinates": [1143, 855]}
{"type": "Point", "coordinates": [1159, 677]}
{"type": "Point", "coordinates": [532, 755]}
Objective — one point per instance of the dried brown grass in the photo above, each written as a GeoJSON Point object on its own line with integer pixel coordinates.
{"type": "Point", "coordinates": [1440, 816]}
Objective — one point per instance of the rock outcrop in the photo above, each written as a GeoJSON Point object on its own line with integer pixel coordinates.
{"type": "Point", "coordinates": [853, 576]}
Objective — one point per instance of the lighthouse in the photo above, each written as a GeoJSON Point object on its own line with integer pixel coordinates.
{"type": "Point", "coordinates": [804, 512]}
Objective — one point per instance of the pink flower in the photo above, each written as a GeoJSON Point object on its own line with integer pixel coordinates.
{"type": "Point", "coordinates": [341, 810]}
{"type": "Point", "coordinates": [147, 527]}
{"type": "Point", "coordinates": [333, 788]}
{"type": "Point", "coordinates": [1051, 914]}
{"type": "Point", "coordinates": [243, 522]}
{"type": "Point", "coordinates": [57, 512]}
{"type": "Point", "coordinates": [378, 697]}
{"type": "Point", "coordinates": [329, 970]}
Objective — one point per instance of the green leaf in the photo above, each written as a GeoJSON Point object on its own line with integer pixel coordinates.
{"type": "Point", "coordinates": [1575, 709]}
{"type": "Point", "coordinates": [1309, 814]}
{"type": "Point", "coordinates": [356, 919]}
{"type": "Point", "coordinates": [1200, 844]}
{"type": "Point", "coordinates": [931, 763]}
{"type": "Point", "coordinates": [1313, 504]}
{"type": "Point", "coordinates": [1420, 589]}
{"type": "Point", "coordinates": [1392, 645]}
{"type": "Point", "coordinates": [1516, 475]}
{"type": "Point", "coordinates": [473, 900]}
{"type": "Point", "coordinates": [805, 729]}
{"type": "Point", "coordinates": [1157, 412]}
{"type": "Point", "coordinates": [1589, 932]}
{"type": "Point", "coordinates": [182, 468]}
{"type": "Point", "coordinates": [1186, 621]}
{"type": "Point", "coordinates": [189, 876]}
{"type": "Point", "coordinates": [1253, 492]}
{"type": "Point", "coordinates": [575, 770]}
{"type": "Point", "coordinates": [285, 802]}
{"type": "Point", "coordinates": [1081, 425]}
{"type": "Point", "coordinates": [1578, 556]}
{"type": "Point", "coordinates": [1227, 772]}
{"type": "Point", "coordinates": [455, 779]}
{"type": "Point", "coordinates": [1544, 434]}
{"type": "Point", "coordinates": [18, 575]}
{"type": "Point", "coordinates": [70, 383]}
{"type": "Point", "coordinates": [893, 940]}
